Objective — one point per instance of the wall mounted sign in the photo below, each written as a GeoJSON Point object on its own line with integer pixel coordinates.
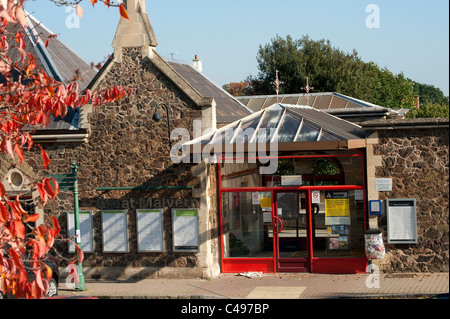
{"type": "Point", "coordinates": [256, 198]}
{"type": "Point", "coordinates": [291, 180]}
{"type": "Point", "coordinates": [150, 230]}
{"type": "Point", "coordinates": [266, 199]}
{"type": "Point", "coordinates": [401, 221]}
{"type": "Point", "coordinates": [383, 184]}
{"type": "Point", "coordinates": [86, 231]}
{"type": "Point", "coordinates": [375, 207]}
{"type": "Point", "coordinates": [185, 229]}
{"type": "Point", "coordinates": [115, 231]}
{"type": "Point", "coordinates": [315, 197]}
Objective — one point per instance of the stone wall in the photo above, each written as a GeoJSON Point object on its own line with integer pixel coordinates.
{"type": "Point", "coordinates": [126, 148]}
{"type": "Point", "coordinates": [417, 160]}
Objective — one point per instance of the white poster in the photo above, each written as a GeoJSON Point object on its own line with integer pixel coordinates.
{"type": "Point", "coordinates": [383, 184]}
{"type": "Point", "coordinates": [315, 197]}
{"type": "Point", "coordinates": [185, 229]}
{"type": "Point", "coordinates": [256, 198]}
{"type": "Point", "coordinates": [115, 231]}
{"type": "Point", "coordinates": [86, 231]}
{"type": "Point", "coordinates": [150, 230]}
{"type": "Point", "coordinates": [402, 221]}
{"type": "Point", "coordinates": [291, 180]}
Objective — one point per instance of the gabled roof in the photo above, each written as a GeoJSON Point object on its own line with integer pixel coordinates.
{"type": "Point", "coordinates": [228, 109]}
{"type": "Point", "coordinates": [289, 125]}
{"type": "Point", "coordinates": [59, 62]}
{"type": "Point", "coordinates": [57, 59]}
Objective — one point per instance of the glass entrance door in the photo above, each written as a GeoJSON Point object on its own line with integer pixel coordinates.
{"type": "Point", "coordinates": [290, 222]}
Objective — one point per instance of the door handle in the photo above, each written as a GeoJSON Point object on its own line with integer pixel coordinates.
{"type": "Point", "coordinates": [281, 223]}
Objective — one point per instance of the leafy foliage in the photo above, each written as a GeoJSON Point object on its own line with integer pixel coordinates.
{"type": "Point", "coordinates": [331, 70]}
{"type": "Point", "coordinates": [28, 99]}
{"type": "Point", "coordinates": [430, 110]}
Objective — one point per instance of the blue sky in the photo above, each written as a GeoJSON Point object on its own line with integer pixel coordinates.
{"type": "Point", "coordinates": [413, 36]}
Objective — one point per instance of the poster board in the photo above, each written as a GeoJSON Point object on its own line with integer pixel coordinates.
{"type": "Point", "coordinates": [150, 230]}
{"type": "Point", "coordinates": [185, 229]}
{"type": "Point", "coordinates": [86, 230]}
{"type": "Point", "coordinates": [401, 221]}
{"type": "Point", "coordinates": [115, 231]}
{"type": "Point", "coordinates": [337, 208]}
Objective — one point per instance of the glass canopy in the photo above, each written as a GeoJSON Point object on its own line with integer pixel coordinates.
{"type": "Point", "coordinates": [284, 123]}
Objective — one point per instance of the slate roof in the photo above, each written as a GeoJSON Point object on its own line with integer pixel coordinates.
{"type": "Point", "coordinates": [228, 109]}
{"type": "Point", "coordinates": [322, 101]}
{"type": "Point", "coordinates": [58, 61]}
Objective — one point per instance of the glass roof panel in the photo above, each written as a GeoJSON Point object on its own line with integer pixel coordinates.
{"type": "Point", "coordinates": [268, 125]}
{"type": "Point", "coordinates": [225, 134]}
{"type": "Point", "coordinates": [288, 129]}
{"type": "Point", "coordinates": [247, 130]}
{"type": "Point", "coordinates": [308, 133]}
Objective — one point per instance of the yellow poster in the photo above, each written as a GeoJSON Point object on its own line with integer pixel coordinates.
{"type": "Point", "coordinates": [266, 200]}
{"type": "Point", "coordinates": [337, 207]}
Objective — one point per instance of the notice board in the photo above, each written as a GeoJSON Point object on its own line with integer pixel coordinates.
{"type": "Point", "coordinates": [185, 229]}
{"type": "Point", "coordinates": [401, 221]}
{"type": "Point", "coordinates": [150, 230]}
{"type": "Point", "coordinates": [115, 231]}
{"type": "Point", "coordinates": [337, 208]}
{"type": "Point", "coordinates": [86, 231]}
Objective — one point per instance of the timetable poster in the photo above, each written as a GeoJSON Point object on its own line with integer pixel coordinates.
{"type": "Point", "coordinates": [402, 221]}
{"type": "Point", "coordinates": [86, 231]}
{"type": "Point", "coordinates": [115, 231]}
{"type": "Point", "coordinates": [185, 229]}
{"type": "Point", "coordinates": [337, 208]}
{"type": "Point", "coordinates": [150, 230]}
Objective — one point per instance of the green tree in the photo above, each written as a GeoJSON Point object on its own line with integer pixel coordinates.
{"type": "Point", "coordinates": [430, 110]}
{"type": "Point", "coordinates": [329, 70]}
{"type": "Point", "coordinates": [430, 94]}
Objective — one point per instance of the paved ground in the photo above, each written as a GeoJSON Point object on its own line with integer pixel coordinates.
{"type": "Point", "coordinates": [272, 286]}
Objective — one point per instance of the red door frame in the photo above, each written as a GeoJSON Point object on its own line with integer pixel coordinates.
{"type": "Point", "coordinates": [296, 264]}
{"type": "Point", "coordinates": [319, 265]}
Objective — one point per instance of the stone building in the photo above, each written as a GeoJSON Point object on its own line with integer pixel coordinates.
{"type": "Point", "coordinates": [151, 213]}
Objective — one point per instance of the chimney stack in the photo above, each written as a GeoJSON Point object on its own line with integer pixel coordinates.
{"type": "Point", "coordinates": [417, 101]}
{"type": "Point", "coordinates": [197, 64]}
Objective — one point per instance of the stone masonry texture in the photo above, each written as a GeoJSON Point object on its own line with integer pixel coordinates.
{"type": "Point", "coordinates": [127, 148]}
{"type": "Point", "coordinates": [418, 162]}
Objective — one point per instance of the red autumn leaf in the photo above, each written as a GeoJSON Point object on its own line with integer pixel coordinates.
{"type": "Point", "coordinates": [45, 158]}
{"type": "Point", "coordinates": [93, 2]}
{"type": "Point", "coordinates": [9, 148]}
{"type": "Point", "coordinates": [123, 12]}
{"type": "Point", "coordinates": [2, 190]}
{"type": "Point", "coordinates": [30, 140]}
{"type": "Point", "coordinates": [79, 253]}
{"type": "Point", "coordinates": [4, 214]}
{"type": "Point", "coordinates": [39, 280]}
{"type": "Point", "coordinates": [16, 258]}
{"type": "Point", "coordinates": [49, 272]}
{"type": "Point", "coordinates": [42, 193]}
{"type": "Point", "coordinates": [51, 191]}
{"type": "Point", "coordinates": [31, 218]}
{"type": "Point", "coordinates": [56, 229]}
{"type": "Point", "coordinates": [46, 42]}
{"type": "Point", "coordinates": [50, 237]}
{"type": "Point", "coordinates": [18, 229]}
{"type": "Point", "coordinates": [18, 150]}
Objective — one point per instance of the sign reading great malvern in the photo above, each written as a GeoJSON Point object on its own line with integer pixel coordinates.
{"type": "Point", "coordinates": [147, 203]}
